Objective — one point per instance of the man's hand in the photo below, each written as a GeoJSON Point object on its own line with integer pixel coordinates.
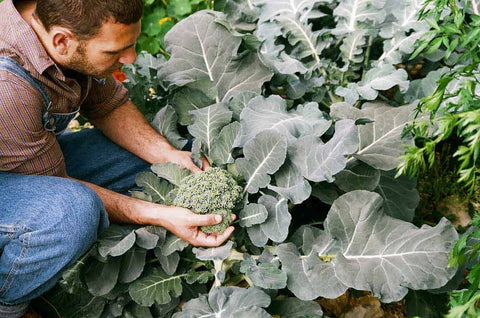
{"type": "Point", "coordinates": [184, 159]}
{"type": "Point", "coordinates": [185, 224]}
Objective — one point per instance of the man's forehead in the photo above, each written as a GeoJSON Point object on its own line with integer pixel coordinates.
{"type": "Point", "coordinates": [113, 32]}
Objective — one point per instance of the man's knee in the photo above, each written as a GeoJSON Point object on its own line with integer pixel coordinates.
{"type": "Point", "coordinates": [80, 217]}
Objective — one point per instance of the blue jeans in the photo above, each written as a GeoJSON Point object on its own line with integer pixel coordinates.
{"type": "Point", "coordinates": [46, 223]}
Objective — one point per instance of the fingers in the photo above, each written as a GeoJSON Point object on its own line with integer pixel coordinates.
{"type": "Point", "coordinates": [205, 163]}
{"type": "Point", "coordinates": [207, 219]}
{"type": "Point", "coordinates": [213, 240]}
{"type": "Point", "coordinates": [193, 168]}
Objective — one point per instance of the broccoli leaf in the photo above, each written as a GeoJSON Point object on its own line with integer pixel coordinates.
{"type": "Point", "coordinates": [208, 122]}
{"type": "Point", "coordinates": [165, 122]}
{"type": "Point", "coordinates": [228, 302]}
{"type": "Point", "coordinates": [133, 263]}
{"type": "Point", "coordinates": [257, 236]}
{"type": "Point", "coordinates": [264, 275]}
{"type": "Point", "coordinates": [172, 244]}
{"type": "Point", "coordinates": [295, 308]}
{"type": "Point", "coordinates": [365, 249]}
{"type": "Point", "coordinates": [116, 240]}
{"type": "Point", "coordinates": [203, 49]}
{"type": "Point", "coordinates": [214, 253]}
{"type": "Point", "coordinates": [172, 172]}
{"type": "Point", "coordinates": [319, 161]}
{"type": "Point", "coordinates": [224, 143]}
{"type": "Point", "coordinates": [290, 184]}
{"type": "Point", "coordinates": [102, 277]}
{"type": "Point", "coordinates": [400, 195]}
{"type": "Point", "coordinates": [381, 142]}
{"type": "Point", "coordinates": [145, 238]}
{"type": "Point", "coordinates": [271, 114]}
{"type": "Point", "coordinates": [156, 286]}
{"type": "Point", "coordinates": [156, 188]}
{"type": "Point", "coordinates": [278, 221]}
{"type": "Point", "coordinates": [263, 156]}
{"type": "Point", "coordinates": [358, 176]}
{"type": "Point", "coordinates": [169, 263]}
{"type": "Point", "coordinates": [253, 214]}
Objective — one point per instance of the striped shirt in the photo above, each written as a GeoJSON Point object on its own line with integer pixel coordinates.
{"type": "Point", "coordinates": [25, 147]}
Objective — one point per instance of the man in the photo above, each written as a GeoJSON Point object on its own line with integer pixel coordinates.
{"type": "Point", "coordinates": [56, 57]}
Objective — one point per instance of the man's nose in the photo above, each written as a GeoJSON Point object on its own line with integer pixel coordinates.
{"type": "Point", "coordinates": [129, 56]}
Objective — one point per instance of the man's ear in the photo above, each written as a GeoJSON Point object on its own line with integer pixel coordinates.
{"type": "Point", "coordinates": [63, 40]}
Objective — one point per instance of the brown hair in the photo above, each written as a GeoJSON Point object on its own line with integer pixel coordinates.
{"type": "Point", "coordinates": [85, 17]}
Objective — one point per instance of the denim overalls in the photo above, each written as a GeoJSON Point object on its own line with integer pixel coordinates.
{"type": "Point", "coordinates": [54, 122]}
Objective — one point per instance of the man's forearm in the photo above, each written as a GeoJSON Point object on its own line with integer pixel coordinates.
{"type": "Point", "coordinates": [124, 209]}
{"type": "Point", "coordinates": [127, 127]}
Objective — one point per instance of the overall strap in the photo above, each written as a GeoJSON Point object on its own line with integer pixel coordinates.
{"type": "Point", "coordinates": [10, 65]}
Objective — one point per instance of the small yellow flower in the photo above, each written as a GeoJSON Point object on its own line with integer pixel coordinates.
{"type": "Point", "coordinates": [163, 20]}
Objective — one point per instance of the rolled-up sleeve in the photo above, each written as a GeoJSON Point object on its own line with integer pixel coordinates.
{"type": "Point", "coordinates": [25, 147]}
{"type": "Point", "coordinates": [104, 97]}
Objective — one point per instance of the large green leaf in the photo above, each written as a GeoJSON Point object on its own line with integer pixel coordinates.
{"type": "Point", "coordinates": [145, 238]}
{"type": "Point", "coordinates": [172, 172]}
{"type": "Point", "coordinates": [253, 214]}
{"type": "Point", "coordinates": [155, 187]}
{"type": "Point", "coordinates": [102, 277]}
{"type": "Point", "coordinates": [271, 114]}
{"type": "Point", "coordinates": [263, 156]}
{"type": "Point", "coordinates": [289, 19]}
{"type": "Point", "coordinates": [133, 263]}
{"type": "Point", "coordinates": [350, 13]}
{"type": "Point", "coordinates": [227, 302]}
{"type": "Point", "coordinates": [365, 249]}
{"type": "Point", "coordinates": [155, 286]}
{"type": "Point", "coordinates": [165, 122]}
{"type": "Point", "coordinates": [79, 305]}
{"type": "Point", "coordinates": [295, 308]}
{"type": "Point", "coordinates": [208, 122]}
{"type": "Point", "coordinates": [223, 145]}
{"type": "Point", "coordinates": [320, 162]}
{"type": "Point", "coordinates": [116, 240]}
{"type": "Point", "coordinates": [202, 49]}
{"type": "Point", "coordinates": [358, 176]}
{"type": "Point", "coordinates": [213, 253]}
{"type": "Point", "coordinates": [169, 263]}
{"type": "Point", "coordinates": [278, 220]}
{"type": "Point", "coordinates": [290, 184]}
{"type": "Point", "coordinates": [381, 142]}
{"type": "Point", "coordinates": [264, 275]}
{"type": "Point", "coordinates": [172, 244]}
{"type": "Point", "coordinates": [400, 195]}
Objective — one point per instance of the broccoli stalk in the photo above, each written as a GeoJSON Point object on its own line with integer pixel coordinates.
{"type": "Point", "coordinates": [213, 191]}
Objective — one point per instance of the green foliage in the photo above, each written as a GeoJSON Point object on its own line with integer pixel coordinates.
{"type": "Point", "coordinates": [253, 88]}
{"type": "Point", "coordinates": [452, 112]}
{"type": "Point", "coordinates": [211, 191]}
{"type": "Point", "coordinates": [160, 16]}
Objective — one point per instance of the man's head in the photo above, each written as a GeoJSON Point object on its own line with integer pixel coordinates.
{"type": "Point", "coordinates": [93, 37]}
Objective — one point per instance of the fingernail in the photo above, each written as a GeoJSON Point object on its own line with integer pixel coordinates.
{"type": "Point", "coordinates": [218, 218]}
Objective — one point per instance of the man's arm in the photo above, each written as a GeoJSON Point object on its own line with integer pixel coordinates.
{"type": "Point", "coordinates": [181, 222]}
{"type": "Point", "coordinates": [127, 127]}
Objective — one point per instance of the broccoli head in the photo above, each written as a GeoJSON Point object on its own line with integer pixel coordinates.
{"type": "Point", "coordinates": [213, 191]}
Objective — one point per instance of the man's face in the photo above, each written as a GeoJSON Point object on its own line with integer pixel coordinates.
{"type": "Point", "coordinates": [112, 47]}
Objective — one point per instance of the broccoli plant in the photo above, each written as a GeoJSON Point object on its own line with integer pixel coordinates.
{"type": "Point", "coordinates": [319, 208]}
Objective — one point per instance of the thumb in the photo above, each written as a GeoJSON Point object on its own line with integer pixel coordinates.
{"type": "Point", "coordinates": [207, 219]}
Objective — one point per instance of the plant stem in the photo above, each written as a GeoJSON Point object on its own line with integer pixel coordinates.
{"type": "Point", "coordinates": [367, 57]}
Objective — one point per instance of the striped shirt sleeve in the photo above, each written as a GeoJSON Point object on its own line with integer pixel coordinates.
{"type": "Point", "coordinates": [25, 147]}
{"type": "Point", "coordinates": [103, 98]}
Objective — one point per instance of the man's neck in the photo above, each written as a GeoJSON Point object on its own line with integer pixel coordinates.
{"type": "Point", "coordinates": [25, 8]}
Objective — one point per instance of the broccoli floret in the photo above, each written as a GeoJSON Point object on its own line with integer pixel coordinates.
{"type": "Point", "coordinates": [213, 191]}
